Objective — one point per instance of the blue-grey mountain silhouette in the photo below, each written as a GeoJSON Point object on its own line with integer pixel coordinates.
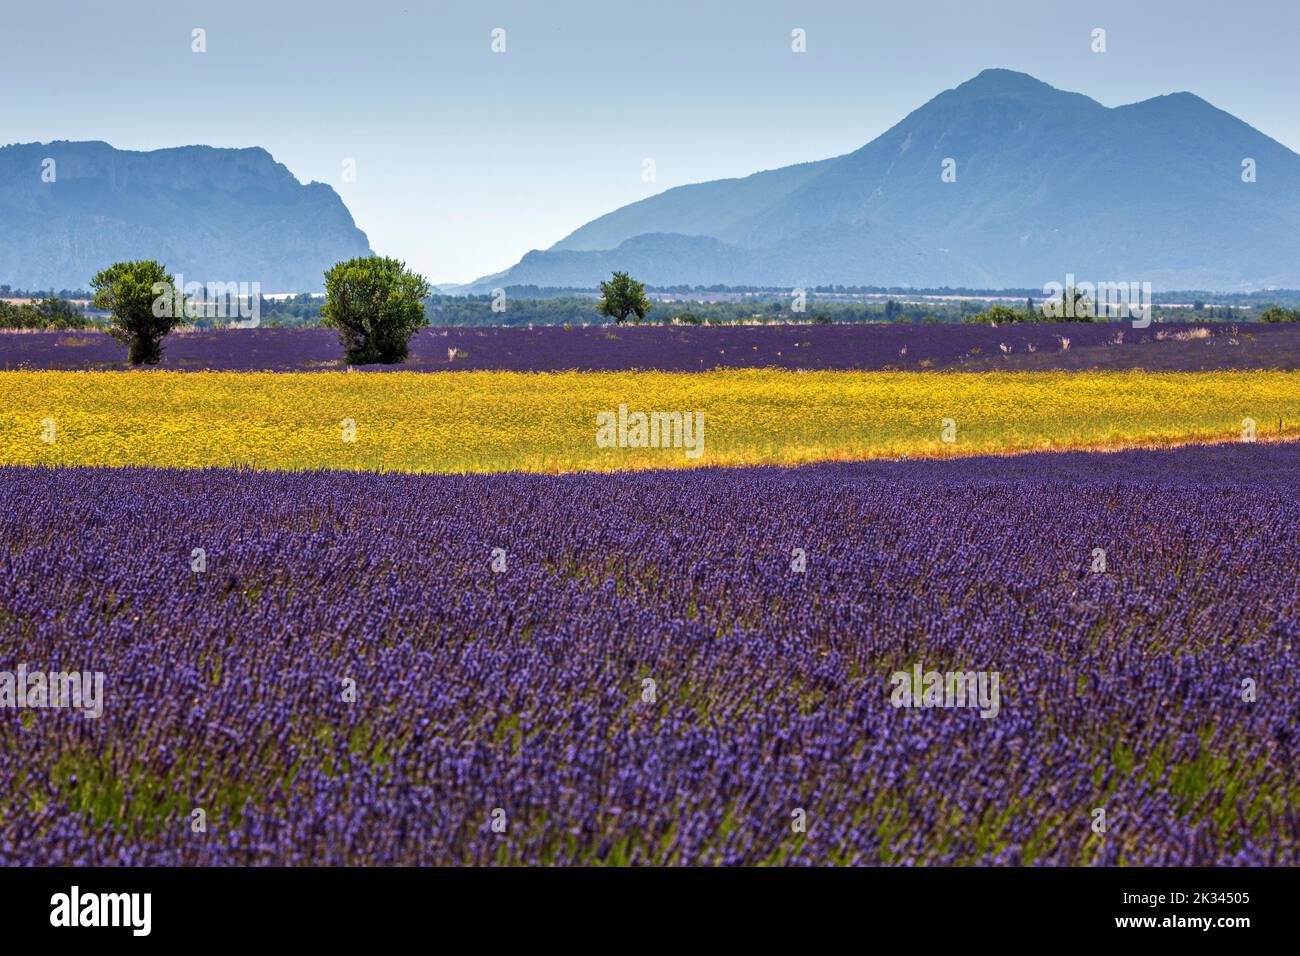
{"type": "Point", "coordinates": [213, 215]}
{"type": "Point", "coordinates": [1047, 183]}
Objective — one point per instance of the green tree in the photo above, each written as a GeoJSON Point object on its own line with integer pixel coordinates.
{"type": "Point", "coordinates": [376, 304]}
{"type": "Point", "coordinates": [997, 314]}
{"type": "Point", "coordinates": [59, 313]}
{"type": "Point", "coordinates": [1073, 307]}
{"type": "Point", "coordinates": [622, 296]}
{"type": "Point", "coordinates": [1277, 314]}
{"type": "Point", "coordinates": [144, 304]}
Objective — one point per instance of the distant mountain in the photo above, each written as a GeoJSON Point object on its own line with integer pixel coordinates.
{"type": "Point", "coordinates": [213, 215]}
{"type": "Point", "coordinates": [1047, 183]}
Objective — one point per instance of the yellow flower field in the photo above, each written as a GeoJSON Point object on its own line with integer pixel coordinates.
{"type": "Point", "coordinates": [494, 421]}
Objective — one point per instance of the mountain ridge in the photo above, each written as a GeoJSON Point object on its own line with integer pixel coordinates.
{"type": "Point", "coordinates": [211, 214]}
{"type": "Point", "coordinates": [1048, 182]}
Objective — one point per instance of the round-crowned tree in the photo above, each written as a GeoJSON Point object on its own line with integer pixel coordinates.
{"type": "Point", "coordinates": [144, 305]}
{"type": "Point", "coordinates": [376, 304]}
{"type": "Point", "coordinates": [622, 296]}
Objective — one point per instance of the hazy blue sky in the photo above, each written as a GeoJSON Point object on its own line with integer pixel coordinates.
{"type": "Point", "coordinates": [467, 159]}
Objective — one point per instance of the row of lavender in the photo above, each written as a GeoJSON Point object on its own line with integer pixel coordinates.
{"type": "Point", "coordinates": [605, 348]}
{"type": "Point", "coordinates": [684, 667]}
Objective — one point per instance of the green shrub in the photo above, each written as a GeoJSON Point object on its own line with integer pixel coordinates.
{"type": "Point", "coordinates": [376, 304]}
{"type": "Point", "coordinates": [145, 306]}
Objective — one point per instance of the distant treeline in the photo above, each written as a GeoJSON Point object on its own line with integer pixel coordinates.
{"type": "Point", "coordinates": [1200, 299]}
{"type": "Point", "coordinates": [446, 310]}
{"type": "Point", "coordinates": [55, 311]}
{"type": "Point", "coordinates": [6, 292]}
{"type": "Point", "coordinates": [52, 313]}
{"type": "Point", "coordinates": [484, 310]}
{"type": "Point", "coordinates": [1197, 297]}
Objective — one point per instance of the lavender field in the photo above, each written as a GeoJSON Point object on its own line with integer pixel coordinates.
{"type": "Point", "coordinates": [642, 673]}
{"type": "Point", "coordinates": [1071, 346]}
